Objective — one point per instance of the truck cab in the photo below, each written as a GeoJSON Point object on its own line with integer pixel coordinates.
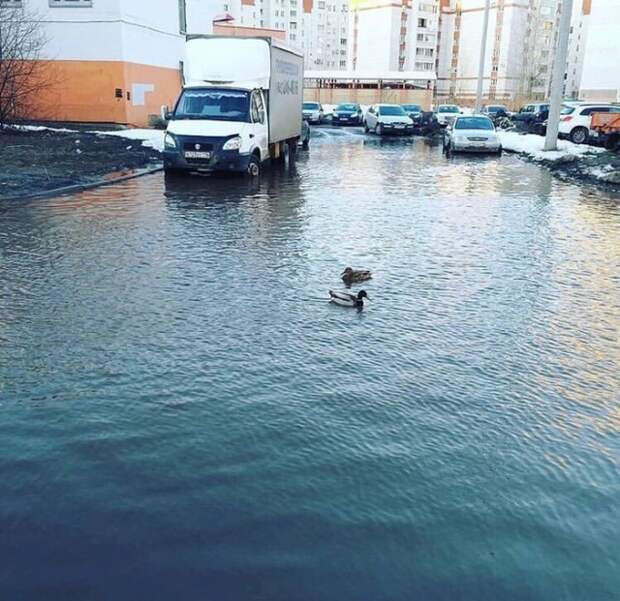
{"type": "Point", "coordinates": [217, 129]}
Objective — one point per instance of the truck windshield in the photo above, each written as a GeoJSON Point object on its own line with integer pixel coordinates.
{"type": "Point", "coordinates": [214, 104]}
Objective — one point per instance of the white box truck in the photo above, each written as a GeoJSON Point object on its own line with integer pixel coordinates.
{"type": "Point", "coordinates": [240, 106]}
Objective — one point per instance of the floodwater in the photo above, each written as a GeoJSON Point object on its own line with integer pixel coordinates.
{"type": "Point", "coordinates": [184, 416]}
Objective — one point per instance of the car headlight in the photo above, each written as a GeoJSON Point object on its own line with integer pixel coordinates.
{"type": "Point", "coordinates": [169, 141]}
{"type": "Point", "coordinates": [233, 144]}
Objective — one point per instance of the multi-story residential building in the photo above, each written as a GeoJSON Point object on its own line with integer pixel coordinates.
{"type": "Point", "coordinates": [601, 75]}
{"type": "Point", "coordinates": [108, 60]}
{"type": "Point", "coordinates": [318, 27]}
{"type": "Point", "coordinates": [520, 48]}
{"type": "Point", "coordinates": [577, 42]}
{"type": "Point", "coordinates": [388, 35]}
{"type": "Point", "coordinates": [460, 42]}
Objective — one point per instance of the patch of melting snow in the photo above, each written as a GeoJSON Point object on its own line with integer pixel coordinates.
{"type": "Point", "coordinates": [151, 138]}
{"type": "Point", "coordinates": [532, 146]}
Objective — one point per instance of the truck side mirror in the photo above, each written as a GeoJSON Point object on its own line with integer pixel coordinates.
{"type": "Point", "coordinates": [165, 113]}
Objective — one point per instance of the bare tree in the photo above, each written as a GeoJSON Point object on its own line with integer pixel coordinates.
{"type": "Point", "coordinates": [22, 74]}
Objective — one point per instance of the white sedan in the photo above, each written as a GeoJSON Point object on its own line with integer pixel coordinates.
{"type": "Point", "coordinates": [387, 119]}
{"type": "Point", "coordinates": [474, 133]}
{"type": "Point", "coordinates": [446, 113]}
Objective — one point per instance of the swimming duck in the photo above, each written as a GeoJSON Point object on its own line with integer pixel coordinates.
{"type": "Point", "coordinates": [344, 299]}
{"type": "Point", "coordinates": [349, 275]}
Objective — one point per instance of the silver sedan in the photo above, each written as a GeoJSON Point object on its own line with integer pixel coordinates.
{"type": "Point", "coordinates": [472, 133]}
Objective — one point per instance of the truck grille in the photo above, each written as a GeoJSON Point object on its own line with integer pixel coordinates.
{"type": "Point", "coordinates": [206, 146]}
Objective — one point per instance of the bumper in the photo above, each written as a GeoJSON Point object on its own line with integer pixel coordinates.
{"type": "Point", "coordinates": [223, 160]}
{"type": "Point", "coordinates": [353, 120]}
{"type": "Point", "coordinates": [465, 147]}
{"type": "Point", "coordinates": [397, 131]}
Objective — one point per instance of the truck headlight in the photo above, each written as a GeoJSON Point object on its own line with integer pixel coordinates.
{"type": "Point", "coordinates": [169, 141]}
{"type": "Point", "coordinates": [232, 144]}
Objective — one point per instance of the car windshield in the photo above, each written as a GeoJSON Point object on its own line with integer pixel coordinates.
{"type": "Point", "coordinates": [414, 108]}
{"type": "Point", "coordinates": [567, 110]}
{"type": "Point", "coordinates": [495, 109]}
{"type": "Point", "coordinates": [310, 106]}
{"type": "Point", "coordinates": [474, 123]}
{"type": "Point", "coordinates": [448, 108]}
{"type": "Point", "coordinates": [214, 104]}
{"type": "Point", "coordinates": [347, 107]}
{"type": "Point", "coordinates": [391, 111]}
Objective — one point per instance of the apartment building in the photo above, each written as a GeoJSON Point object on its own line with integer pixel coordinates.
{"type": "Point", "coordinates": [460, 42]}
{"type": "Point", "coordinates": [601, 53]}
{"type": "Point", "coordinates": [113, 61]}
{"type": "Point", "coordinates": [520, 48]}
{"type": "Point", "coordinates": [389, 35]}
{"type": "Point", "coordinates": [317, 27]}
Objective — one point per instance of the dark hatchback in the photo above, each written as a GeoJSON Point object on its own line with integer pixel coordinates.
{"type": "Point", "coordinates": [347, 114]}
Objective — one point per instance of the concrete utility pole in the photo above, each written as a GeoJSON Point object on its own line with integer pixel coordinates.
{"type": "Point", "coordinates": [557, 76]}
{"type": "Point", "coordinates": [483, 51]}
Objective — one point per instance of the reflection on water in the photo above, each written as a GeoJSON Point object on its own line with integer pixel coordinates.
{"type": "Point", "coordinates": [182, 408]}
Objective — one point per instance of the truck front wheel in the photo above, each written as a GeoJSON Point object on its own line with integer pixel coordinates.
{"type": "Point", "coordinates": [253, 166]}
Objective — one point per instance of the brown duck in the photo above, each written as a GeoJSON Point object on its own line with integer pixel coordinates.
{"type": "Point", "coordinates": [351, 276]}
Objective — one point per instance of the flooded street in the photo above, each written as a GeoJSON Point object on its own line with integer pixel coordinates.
{"type": "Point", "coordinates": [183, 415]}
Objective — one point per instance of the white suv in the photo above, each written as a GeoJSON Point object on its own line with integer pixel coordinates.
{"type": "Point", "coordinates": [575, 120]}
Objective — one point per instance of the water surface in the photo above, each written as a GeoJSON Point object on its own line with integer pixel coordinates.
{"type": "Point", "coordinates": [182, 415]}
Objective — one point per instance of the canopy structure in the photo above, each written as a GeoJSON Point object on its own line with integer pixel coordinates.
{"type": "Point", "coordinates": [422, 80]}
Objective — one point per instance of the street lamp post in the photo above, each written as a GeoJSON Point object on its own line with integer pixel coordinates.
{"type": "Point", "coordinates": [557, 77]}
{"type": "Point", "coordinates": [483, 51]}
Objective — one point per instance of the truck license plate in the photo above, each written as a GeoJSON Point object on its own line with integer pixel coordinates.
{"type": "Point", "coordinates": [192, 154]}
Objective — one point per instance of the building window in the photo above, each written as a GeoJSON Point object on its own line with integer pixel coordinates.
{"type": "Point", "coordinates": [182, 16]}
{"type": "Point", "coordinates": [74, 3]}
{"type": "Point", "coordinates": [11, 3]}
{"type": "Point", "coordinates": [422, 23]}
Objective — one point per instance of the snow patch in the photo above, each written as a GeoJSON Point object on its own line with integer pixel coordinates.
{"type": "Point", "coordinates": [151, 138]}
{"type": "Point", "coordinates": [532, 146]}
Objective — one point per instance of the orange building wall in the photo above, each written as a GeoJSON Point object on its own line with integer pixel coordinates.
{"type": "Point", "coordinates": [84, 91]}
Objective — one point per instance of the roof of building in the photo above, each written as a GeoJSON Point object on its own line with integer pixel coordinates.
{"type": "Point", "coordinates": [372, 75]}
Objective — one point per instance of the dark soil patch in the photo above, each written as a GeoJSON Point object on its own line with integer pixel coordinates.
{"type": "Point", "coordinates": [32, 162]}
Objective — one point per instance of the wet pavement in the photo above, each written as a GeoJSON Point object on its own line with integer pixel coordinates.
{"type": "Point", "coordinates": [183, 414]}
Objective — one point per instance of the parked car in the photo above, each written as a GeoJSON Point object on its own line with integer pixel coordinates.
{"type": "Point", "coordinates": [494, 111]}
{"type": "Point", "coordinates": [531, 117]}
{"type": "Point", "coordinates": [313, 112]}
{"type": "Point", "coordinates": [413, 110]}
{"type": "Point", "coordinates": [425, 124]}
{"type": "Point", "coordinates": [475, 133]}
{"type": "Point", "coordinates": [575, 120]}
{"type": "Point", "coordinates": [447, 113]}
{"type": "Point", "coordinates": [348, 113]}
{"type": "Point", "coordinates": [387, 119]}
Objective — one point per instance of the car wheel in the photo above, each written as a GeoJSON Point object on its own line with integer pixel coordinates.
{"type": "Point", "coordinates": [253, 166]}
{"type": "Point", "coordinates": [379, 129]}
{"type": "Point", "coordinates": [579, 135]}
